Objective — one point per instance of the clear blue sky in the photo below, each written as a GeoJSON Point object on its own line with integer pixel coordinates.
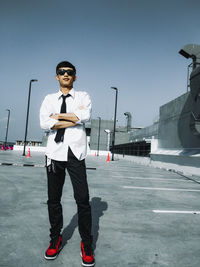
{"type": "Point", "coordinates": [129, 44]}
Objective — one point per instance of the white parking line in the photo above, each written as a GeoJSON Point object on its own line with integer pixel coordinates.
{"type": "Point", "coordinates": [156, 179]}
{"type": "Point", "coordinates": [177, 211]}
{"type": "Point", "coordinates": [161, 189]}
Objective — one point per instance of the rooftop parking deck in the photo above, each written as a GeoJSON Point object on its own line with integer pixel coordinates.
{"type": "Point", "coordinates": [142, 216]}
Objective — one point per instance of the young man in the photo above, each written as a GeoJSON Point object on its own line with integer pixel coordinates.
{"type": "Point", "coordinates": [64, 114]}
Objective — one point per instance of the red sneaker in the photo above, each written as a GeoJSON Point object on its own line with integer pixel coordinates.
{"type": "Point", "coordinates": [87, 256]}
{"type": "Point", "coordinates": [53, 249]}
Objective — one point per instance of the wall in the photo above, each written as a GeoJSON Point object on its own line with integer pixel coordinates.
{"type": "Point", "coordinates": [175, 130]}
{"type": "Point", "coordinates": [105, 124]}
{"type": "Point", "coordinates": [178, 131]}
{"type": "Point", "coordinates": [145, 133]}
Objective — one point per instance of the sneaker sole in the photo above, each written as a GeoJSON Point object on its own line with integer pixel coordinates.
{"type": "Point", "coordinates": [50, 258]}
{"type": "Point", "coordinates": [86, 264]}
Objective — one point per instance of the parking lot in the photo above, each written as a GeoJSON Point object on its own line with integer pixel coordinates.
{"type": "Point", "coordinates": [142, 216]}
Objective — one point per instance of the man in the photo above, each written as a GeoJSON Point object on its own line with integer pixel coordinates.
{"type": "Point", "coordinates": [64, 113]}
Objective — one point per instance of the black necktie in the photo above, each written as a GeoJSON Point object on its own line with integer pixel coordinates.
{"type": "Point", "coordinates": [60, 132]}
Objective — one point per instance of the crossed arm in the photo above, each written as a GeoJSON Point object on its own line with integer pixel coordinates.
{"type": "Point", "coordinates": [80, 115]}
{"type": "Point", "coordinates": [65, 120]}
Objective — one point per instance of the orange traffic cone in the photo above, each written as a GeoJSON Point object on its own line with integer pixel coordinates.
{"type": "Point", "coordinates": [29, 154]}
{"type": "Point", "coordinates": [108, 158]}
{"type": "Point", "coordinates": [95, 154]}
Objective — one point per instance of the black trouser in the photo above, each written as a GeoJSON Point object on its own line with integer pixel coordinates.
{"type": "Point", "coordinates": [56, 178]}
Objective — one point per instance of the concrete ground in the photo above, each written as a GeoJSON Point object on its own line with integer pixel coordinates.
{"type": "Point", "coordinates": [142, 216]}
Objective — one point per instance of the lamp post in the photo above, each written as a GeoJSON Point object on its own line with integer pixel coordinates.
{"type": "Point", "coordinates": [7, 128]}
{"type": "Point", "coordinates": [113, 139]}
{"type": "Point", "coordinates": [29, 94]}
{"type": "Point", "coordinates": [99, 135]}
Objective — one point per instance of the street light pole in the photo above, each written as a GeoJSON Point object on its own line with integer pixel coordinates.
{"type": "Point", "coordinates": [99, 135]}
{"type": "Point", "coordinates": [29, 94]}
{"type": "Point", "coordinates": [7, 128]}
{"type": "Point", "coordinates": [113, 139]}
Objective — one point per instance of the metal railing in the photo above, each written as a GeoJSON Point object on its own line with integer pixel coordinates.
{"type": "Point", "coordinates": [141, 149]}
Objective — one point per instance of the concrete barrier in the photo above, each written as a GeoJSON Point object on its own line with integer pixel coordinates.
{"type": "Point", "coordinates": [184, 169]}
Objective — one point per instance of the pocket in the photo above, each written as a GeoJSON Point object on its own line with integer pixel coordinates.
{"type": "Point", "coordinates": [48, 164]}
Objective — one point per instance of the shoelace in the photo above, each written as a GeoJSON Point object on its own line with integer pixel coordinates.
{"type": "Point", "coordinates": [88, 251]}
{"type": "Point", "coordinates": [53, 243]}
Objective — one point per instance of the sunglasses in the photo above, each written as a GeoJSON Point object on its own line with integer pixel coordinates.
{"type": "Point", "coordinates": [69, 72]}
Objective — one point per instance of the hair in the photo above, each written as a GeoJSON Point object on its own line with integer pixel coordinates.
{"type": "Point", "coordinates": [65, 64]}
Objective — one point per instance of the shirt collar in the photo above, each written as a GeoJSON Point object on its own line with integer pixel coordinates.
{"type": "Point", "coordinates": [72, 93]}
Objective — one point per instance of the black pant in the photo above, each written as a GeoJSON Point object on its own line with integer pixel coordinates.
{"type": "Point", "coordinates": [56, 179]}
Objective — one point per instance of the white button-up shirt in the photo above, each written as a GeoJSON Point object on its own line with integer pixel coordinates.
{"type": "Point", "coordinates": [78, 103]}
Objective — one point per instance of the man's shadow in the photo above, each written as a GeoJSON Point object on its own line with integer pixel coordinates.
{"type": "Point", "coordinates": [97, 206]}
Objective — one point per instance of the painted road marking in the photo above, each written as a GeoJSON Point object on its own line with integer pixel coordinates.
{"type": "Point", "coordinates": [31, 165]}
{"type": "Point", "coordinates": [177, 211]}
{"type": "Point", "coordinates": [156, 179]}
{"type": "Point", "coordinates": [161, 189]}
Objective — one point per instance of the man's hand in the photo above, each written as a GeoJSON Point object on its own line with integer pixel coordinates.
{"type": "Point", "coordinates": [63, 124]}
{"type": "Point", "coordinates": [65, 116]}
{"type": "Point", "coordinates": [55, 116]}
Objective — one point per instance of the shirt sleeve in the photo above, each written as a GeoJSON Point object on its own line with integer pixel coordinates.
{"type": "Point", "coordinates": [46, 123]}
{"type": "Point", "coordinates": [83, 112]}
